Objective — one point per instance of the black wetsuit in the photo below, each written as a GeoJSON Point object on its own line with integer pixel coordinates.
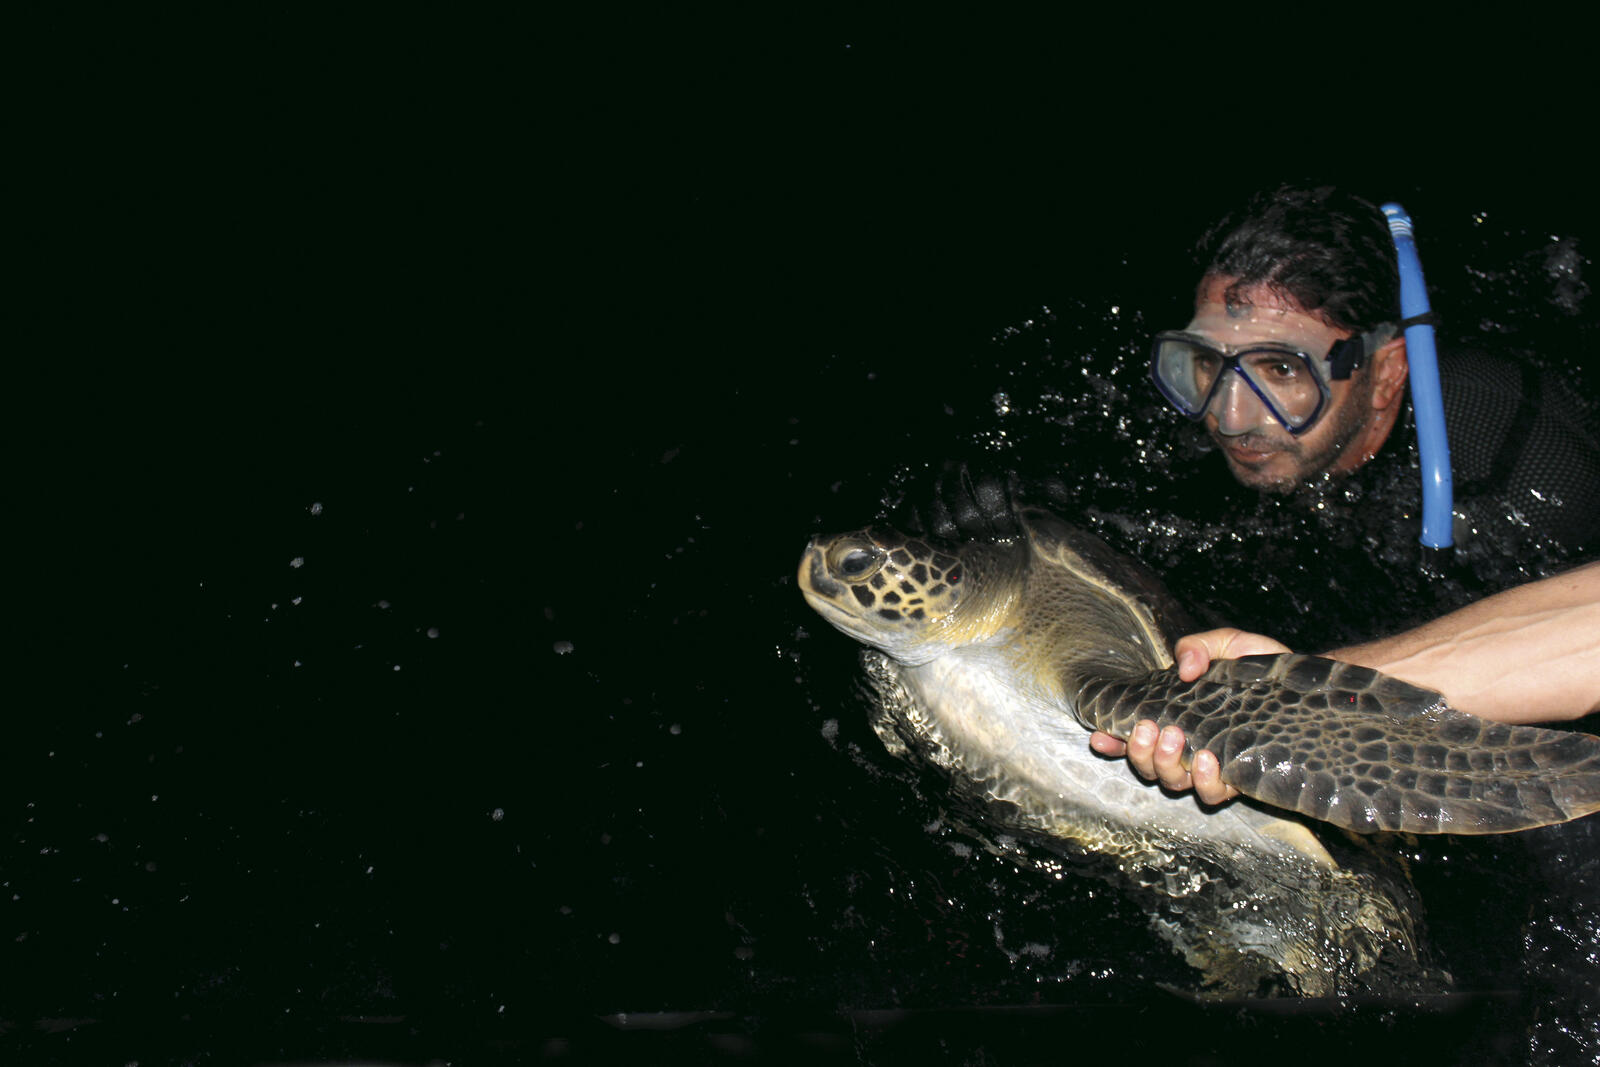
{"type": "Point", "coordinates": [1522, 450]}
{"type": "Point", "coordinates": [1342, 562]}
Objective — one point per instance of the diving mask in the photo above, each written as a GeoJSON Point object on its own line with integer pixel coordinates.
{"type": "Point", "coordinates": [1191, 370]}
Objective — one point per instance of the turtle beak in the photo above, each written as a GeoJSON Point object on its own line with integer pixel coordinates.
{"type": "Point", "coordinates": [814, 572]}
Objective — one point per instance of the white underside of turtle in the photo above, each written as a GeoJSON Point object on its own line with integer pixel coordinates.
{"type": "Point", "coordinates": [1247, 897]}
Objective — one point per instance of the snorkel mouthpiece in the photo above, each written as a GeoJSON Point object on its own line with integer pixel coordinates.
{"type": "Point", "coordinates": [1427, 395]}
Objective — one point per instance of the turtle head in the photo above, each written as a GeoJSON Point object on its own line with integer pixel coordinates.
{"type": "Point", "coordinates": [885, 589]}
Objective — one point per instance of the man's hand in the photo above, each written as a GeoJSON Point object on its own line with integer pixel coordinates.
{"type": "Point", "coordinates": [1155, 755]}
{"type": "Point", "coordinates": [1196, 651]}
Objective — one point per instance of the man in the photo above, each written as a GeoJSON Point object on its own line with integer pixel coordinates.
{"type": "Point", "coordinates": [1295, 364]}
{"type": "Point", "coordinates": [1295, 375]}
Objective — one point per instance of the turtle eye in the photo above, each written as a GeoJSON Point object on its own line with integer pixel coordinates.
{"type": "Point", "coordinates": [855, 561]}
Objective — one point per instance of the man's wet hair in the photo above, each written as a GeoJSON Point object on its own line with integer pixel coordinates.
{"type": "Point", "coordinates": [1329, 251]}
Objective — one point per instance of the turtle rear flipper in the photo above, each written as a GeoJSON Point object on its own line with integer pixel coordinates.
{"type": "Point", "coordinates": [1359, 749]}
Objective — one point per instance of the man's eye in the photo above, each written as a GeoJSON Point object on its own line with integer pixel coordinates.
{"type": "Point", "coordinates": [1274, 368]}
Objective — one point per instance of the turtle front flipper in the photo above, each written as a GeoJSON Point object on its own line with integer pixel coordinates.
{"type": "Point", "coordinates": [1359, 749]}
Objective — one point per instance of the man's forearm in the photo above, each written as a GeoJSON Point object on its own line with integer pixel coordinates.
{"type": "Point", "coordinates": [1529, 654]}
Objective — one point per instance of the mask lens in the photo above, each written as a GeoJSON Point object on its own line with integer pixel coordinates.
{"type": "Point", "coordinates": [1288, 383]}
{"type": "Point", "coordinates": [1185, 372]}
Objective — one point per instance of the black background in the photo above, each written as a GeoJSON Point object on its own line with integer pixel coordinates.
{"type": "Point", "coordinates": [554, 341]}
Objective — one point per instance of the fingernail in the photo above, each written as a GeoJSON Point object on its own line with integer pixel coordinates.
{"type": "Point", "coordinates": [1145, 733]}
{"type": "Point", "coordinates": [1171, 740]}
{"type": "Point", "coordinates": [1187, 662]}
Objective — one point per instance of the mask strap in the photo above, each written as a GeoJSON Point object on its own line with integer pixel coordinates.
{"type": "Point", "coordinates": [1346, 355]}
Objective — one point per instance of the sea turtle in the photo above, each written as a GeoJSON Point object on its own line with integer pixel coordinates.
{"type": "Point", "coordinates": [994, 658]}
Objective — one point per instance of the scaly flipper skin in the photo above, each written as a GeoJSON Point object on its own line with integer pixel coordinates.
{"type": "Point", "coordinates": [1358, 749]}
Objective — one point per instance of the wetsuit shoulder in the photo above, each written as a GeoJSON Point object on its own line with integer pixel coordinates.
{"type": "Point", "coordinates": [1522, 446]}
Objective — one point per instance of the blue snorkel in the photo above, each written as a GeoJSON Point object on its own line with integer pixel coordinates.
{"type": "Point", "coordinates": [1427, 397]}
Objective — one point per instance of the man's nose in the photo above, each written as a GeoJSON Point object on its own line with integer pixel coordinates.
{"type": "Point", "coordinates": [1236, 407]}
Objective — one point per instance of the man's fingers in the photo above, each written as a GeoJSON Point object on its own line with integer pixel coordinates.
{"type": "Point", "coordinates": [1168, 760]}
{"type": "Point", "coordinates": [1157, 756]}
{"type": "Point", "coordinates": [1195, 652]}
{"type": "Point", "coordinates": [1191, 664]}
{"type": "Point", "coordinates": [1107, 745]}
{"type": "Point", "coordinates": [1208, 784]}
{"type": "Point", "coordinates": [1142, 749]}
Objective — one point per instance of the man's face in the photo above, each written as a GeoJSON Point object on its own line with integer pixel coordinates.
{"type": "Point", "coordinates": [1260, 452]}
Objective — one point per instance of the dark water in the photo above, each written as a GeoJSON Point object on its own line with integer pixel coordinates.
{"type": "Point", "coordinates": [421, 677]}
